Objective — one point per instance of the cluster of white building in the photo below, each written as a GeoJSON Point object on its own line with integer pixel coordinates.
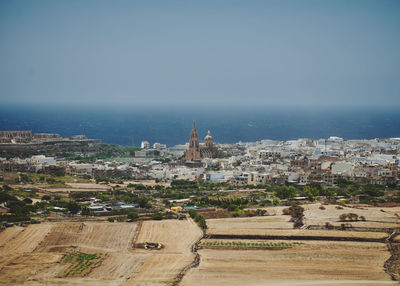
{"type": "Point", "coordinates": [295, 161]}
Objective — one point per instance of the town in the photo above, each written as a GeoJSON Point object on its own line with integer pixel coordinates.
{"type": "Point", "coordinates": [295, 162]}
{"type": "Point", "coordinates": [84, 203]}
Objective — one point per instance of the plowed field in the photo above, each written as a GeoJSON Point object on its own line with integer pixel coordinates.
{"type": "Point", "coordinates": [308, 263]}
{"type": "Point", "coordinates": [34, 255]}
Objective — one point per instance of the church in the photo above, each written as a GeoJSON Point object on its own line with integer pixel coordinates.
{"type": "Point", "coordinates": [196, 152]}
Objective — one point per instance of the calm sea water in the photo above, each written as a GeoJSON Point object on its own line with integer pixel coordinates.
{"type": "Point", "coordinates": [173, 126]}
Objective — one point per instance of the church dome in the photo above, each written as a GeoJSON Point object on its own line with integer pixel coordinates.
{"type": "Point", "coordinates": [208, 136]}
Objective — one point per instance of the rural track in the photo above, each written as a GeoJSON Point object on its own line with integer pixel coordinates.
{"type": "Point", "coordinates": [390, 264]}
{"type": "Point", "coordinates": [193, 264]}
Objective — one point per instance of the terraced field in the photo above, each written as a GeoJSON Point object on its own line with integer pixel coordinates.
{"type": "Point", "coordinates": [95, 253]}
{"type": "Point", "coordinates": [308, 263]}
{"type": "Point", "coordinates": [237, 251]}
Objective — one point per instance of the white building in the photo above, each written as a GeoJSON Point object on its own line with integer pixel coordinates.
{"type": "Point", "coordinates": [145, 145]}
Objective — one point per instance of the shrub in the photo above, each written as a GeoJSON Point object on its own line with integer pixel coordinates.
{"type": "Point", "coordinates": [157, 216]}
{"type": "Point", "coordinates": [343, 217]}
{"type": "Point", "coordinates": [328, 225]}
{"type": "Point", "coordinates": [110, 219]}
{"type": "Point", "coordinates": [133, 215]}
{"type": "Point", "coordinates": [46, 198]}
{"type": "Point", "coordinates": [353, 216]}
{"type": "Point", "coordinates": [198, 218]}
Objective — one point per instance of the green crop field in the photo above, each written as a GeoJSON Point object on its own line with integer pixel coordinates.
{"type": "Point", "coordinates": [249, 244]}
{"type": "Point", "coordinates": [80, 262]}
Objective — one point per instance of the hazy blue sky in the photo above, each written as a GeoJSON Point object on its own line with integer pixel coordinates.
{"type": "Point", "coordinates": [200, 52]}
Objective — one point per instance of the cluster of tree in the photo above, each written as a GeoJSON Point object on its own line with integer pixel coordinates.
{"type": "Point", "coordinates": [106, 151]}
{"type": "Point", "coordinates": [312, 191]}
{"type": "Point", "coordinates": [18, 209]}
{"type": "Point", "coordinates": [174, 194]}
{"type": "Point", "coordinates": [157, 216]}
{"type": "Point", "coordinates": [131, 198]}
{"type": "Point", "coordinates": [198, 218]}
{"type": "Point", "coordinates": [248, 213]}
{"type": "Point", "coordinates": [351, 217]}
{"type": "Point", "coordinates": [296, 212]}
{"type": "Point", "coordinates": [212, 186]}
{"type": "Point", "coordinates": [163, 160]}
{"type": "Point", "coordinates": [229, 203]}
{"type": "Point", "coordinates": [284, 192]}
{"type": "Point", "coordinates": [349, 188]}
{"type": "Point", "coordinates": [116, 195]}
{"type": "Point", "coordinates": [184, 185]}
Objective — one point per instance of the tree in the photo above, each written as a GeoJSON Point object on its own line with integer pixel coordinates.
{"type": "Point", "coordinates": [133, 215]}
{"type": "Point", "coordinates": [85, 211]}
{"type": "Point", "coordinates": [192, 213]}
{"type": "Point", "coordinates": [46, 198]}
{"type": "Point", "coordinates": [28, 201]}
{"type": "Point", "coordinates": [4, 197]}
{"type": "Point", "coordinates": [286, 192]}
{"type": "Point", "coordinates": [59, 173]}
{"type": "Point", "coordinates": [343, 217]}
{"type": "Point", "coordinates": [157, 216]}
{"type": "Point", "coordinates": [7, 188]}
{"type": "Point", "coordinates": [372, 190]}
{"type": "Point", "coordinates": [260, 212]}
{"type": "Point", "coordinates": [73, 207]}
{"type": "Point", "coordinates": [311, 192]}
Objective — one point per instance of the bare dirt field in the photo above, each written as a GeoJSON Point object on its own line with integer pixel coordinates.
{"type": "Point", "coordinates": [147, 183]}
{"type": "Point", "coordinates": [308, 263]}
{"type": "Point", "coordinates": [162, 266]}
{"type": "Point", "coordinates": [376, 217]}
{"type": "Point", "coordinates": [34, 255]}
{"type": "Point", "coordinates": [80, 187]}
{"type": "Point", "coordinates": [298, 232]}
{"type": "Point", "coordinates": [278, 226]}
{"type": "Point", "coordinates": [249, 223]}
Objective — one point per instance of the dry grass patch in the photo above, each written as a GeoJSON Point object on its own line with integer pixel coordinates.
{"type": "Point", "coordinates": [250, 223]}
{"type": "Point", "coordinates": [161, 267]}
{"type": "Point", "coordinates": [308, 262]}
{"type": "Point", "coordinates": [376, 217]}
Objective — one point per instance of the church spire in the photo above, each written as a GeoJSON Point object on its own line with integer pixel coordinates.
{"type": "Point", "coordinates": [193, 153]}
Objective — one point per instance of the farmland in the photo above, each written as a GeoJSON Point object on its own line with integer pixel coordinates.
{"type": "Point", "coordinates": [236, 251]}
{"type": "Point", "coordinates": [264, 250]}
{"type": "Point", "coordinates": [163, 265]}
{"type": "Point", "coordinates": [67, 253]}
{"type": "Point", "coordinates": [308, 263]}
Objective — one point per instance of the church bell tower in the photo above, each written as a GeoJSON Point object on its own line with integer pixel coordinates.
{"type": "Point", "coordinates": [193, 153]}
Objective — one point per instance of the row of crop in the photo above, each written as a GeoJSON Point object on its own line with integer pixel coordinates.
{"type": "Point", "coordinates": [80, 262]}
{"type": "Point", "coordinates": [248, 244]}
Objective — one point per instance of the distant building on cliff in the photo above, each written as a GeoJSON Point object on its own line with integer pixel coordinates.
{"type": "Point", "coordinates": [196, 152]}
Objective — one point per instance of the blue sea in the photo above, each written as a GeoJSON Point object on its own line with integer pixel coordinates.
{"type": "Point", "coordinates": [172, 126]}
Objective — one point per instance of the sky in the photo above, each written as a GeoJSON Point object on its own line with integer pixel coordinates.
{"type": "Point", "coordinates": [200, 53]}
